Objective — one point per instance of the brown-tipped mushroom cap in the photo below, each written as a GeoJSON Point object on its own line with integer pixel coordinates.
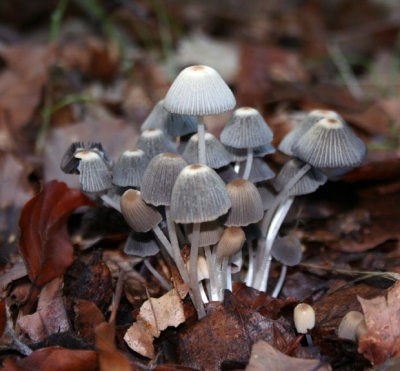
{"type": "Point", "coordinates": [199, 91]}
{"type": "Point", "coordinates": [231, 242]}
{"type": "Point", "coordinates": [153, 142]}
{"type": "Point", "coordinates": [216, 154]}
{"type": "Point", "coordinates": [128, 170]}
{"type": "Point", "coordinates": [246, 129]}
{"type": "Point", "coordinates": [246, 203]}
{"type": "Point", "coordinates": [307, 184]}
{"type": "Point", "coordinates": [210, 233]}
{"type": "Point", "coordinates": [330, 142]}
{"type": "Point", "coordinates": [287, 250]}
{"type": "Point", "coordinates": [159, 178]}
{"type": "Point", "coordinates": [140, 216]}
{"type": "Point", "coordinates": [304, 318]}
{"type": "Point", "coordinates": [95, 175]}
{"type": "Point", "coordinates": [348, 325]}
{"type": "Point", "coordinates": [199, 195]}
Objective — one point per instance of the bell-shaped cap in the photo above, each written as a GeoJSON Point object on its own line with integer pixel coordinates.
{"type": "Point", "coordinates": [216, 154]}
{"type": "Point", "coordinates": [231, 242]}
{"type": "Point", "coordinates": [179, 125]}
{"type": "Point", "coordinates": [267, 196]}
{"type": "Point", "coordinates": [210, 233]}
{"type": "Point", "coordinates": [349, 324]}
{"type": "Point", "coordinates": [287, 250]}
{"type": "Point", "coordinates": [140, 216]}
{"type": "Point", "coordinates": [199, 91]}
{"type": "Point", "coordinates": [227, 173]}
{"type": "Point", "coordinates": [309, 120]}
{"type": "Point", "coordinates": [330, 142]}
{"type": "Point", "coordinates": [304, 317]}
{"type": "Point", "coordinates": [246, 129]}
{"type": "Point", "coordinates": [128, 170]}
{"type": "Point", "coordinates": [199, 195]}
{"type": "Point", "coordinates": [240, 154]}
{"type": "Point", "coordinates": [95, 175]}
{"type": "Point", "coordinates": [69, 163]}
{"type": "Point", "coordinates": [157, 118]}
{"type": "Point", "coordinates": [246, 203]}
{"type": "Point", "coordinates": [153, 142]}
{"type": "Point", "coordinates": [141, 244]}
{"type": "Point", "coordinates": [259, 172]}
{"type": "Point", "coordinates": [159, 178]}
{"type": "Point", "coordinates": [307, 184]}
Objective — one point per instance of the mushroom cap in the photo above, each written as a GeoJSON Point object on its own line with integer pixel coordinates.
{"type": "Point", "coordinates": [259, 172]}
{"type": "Point", "coordinates": [246, 203]}
{"type": "Point", "coordinates": [140, 216]}
{"type": "Point", "coordinates": [199, 91]}
{"type": "Point", "coordinates": [141, 244]}
{"type": "Point", "coordinates": [348, 325]}
{"type": "Point", "coordinates": [240, 154]}
{"type": "Point", "coordinates": [199, 195]}
{"type": "Point", "coordinates": [216, 154]}
{"type": "Point", "coordinates": [309, 120]}
{"type": "Point", "coordinates": [128, 170]}
{"type": "Point", "coordinates": [304, 318]}
{"type": "Point", "coordinates": [159, 178]}
{"type": "Point", "coordinates": [210, 233]}
{"type": "Point", "coordinates": [153, 142]}
{"type": "Point", "coordinates": [246, 129]}
{"type": "Point", "coordinates": [287, 250]}
{"type": "Point", "coordinates": [95, 175]}
{"type": "Point", "coordinates": [179, 125]}
{"type": "Point", "coordinates": [267, 196]}
{"type": "Point", "coordinates": [307, 184]}
{"type": "Point", "coordinates": [157, 118]}
{"type": "Point", "coordinates": [69, 163]}
{"type": "Point", "coordinates": [330, 142]}
{"type": "Point", "coordinates": [231, 242]}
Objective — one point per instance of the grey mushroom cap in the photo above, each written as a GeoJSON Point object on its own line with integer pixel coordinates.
{"type": "Point", "coordinates": [231, 242]}
{"type": "Point", "coordinates": [153, 142]}
{"type": "Point", "coordinates": [216, 154]}
{"type": "Point", "coordinates": [259, 172]}
{"type": "Point", "coordinates": [199, 195]}
{"type": "Point", "coordinates": [240, 154]}
{"type": "Point", "coordinates": [199, 91]}
{"type": "Point", "coordinates": [98, 147]}
{"type": "Point", "coordinates": [69, 163]}
{"type": "Point", "coordinates": [140, 216]}
{"type": "Point", "coordinates": [129, 169]}
{"type": "Point", "coordinates": [307, 184]}
{"type": "Point", "coordinates": [227, 173]}
{"type": "Point", "coordinates": [330, 143]}
{"type": "Point", "coordinates": [179, 125]}
{"type": "Point", "coordinates": [246, 204]}
{"type": "Point", "coordinates": [159, 178]}
{"type": "Point", "coordinates": [287, 250]}
{"type": "Point", "coordinates": [210, 233]}
{"type": "Point", "coordinates": [309, 120]}
{"type": "Point", "coordinates": [267, 195]}
{"type": "Point", "coordinates": [246, 129]}
{"type": "Point", "coordinates": [95, 175]}
{"type": "Point", "coordinates": [157, 118]}
{"type": "Point", "coordinates": [141, 244]}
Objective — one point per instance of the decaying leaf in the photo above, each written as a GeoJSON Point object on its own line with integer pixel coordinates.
{"type": "Point", "coordinates": [50, 317]}
{"type": "Point", "coordinates": [265, 357]}
{"type": "Point", "coordinates": [382, 316]}
{"type": "Point", "coordinates": [87, 317]}
{"type": "Point", "coordinates": [44, 242]}
{"type": "Point", "coordinates": [155, 316]}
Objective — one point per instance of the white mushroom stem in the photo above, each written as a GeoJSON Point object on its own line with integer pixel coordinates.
{"type": "Point", "coordinates": [212, 272]}
{"type": "Point", "coordinates": [250, 269]}
{"type": "Point", "coordinates": [203, 294]}
{"type": "Point", "coordinates": [194, 254]}
{"type": "Point", "coordinates": [222, 272]}
{"type": "Point", "coordinates": [202, 142]}
{"type": "Point", "coordinates": [164, 240]}
{"type": "Point", "coordinates": [281, 280]}
{"type": "Point", "coordinates": [157, 275]}
{"type": "Point", "coordinates": [249, 163]}
{"type": "Point", "coordinates": [229, 276]}
{"type": "Point", "coordinates": [309, 340]}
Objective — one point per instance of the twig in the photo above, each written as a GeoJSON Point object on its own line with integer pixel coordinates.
{"type": "Point", "coordinates": [117, 296]}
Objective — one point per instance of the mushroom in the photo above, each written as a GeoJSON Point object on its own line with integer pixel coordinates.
{"type": "Point", "coordinates": [153, 142]}
{"type": "Point", "coordinates": [304, 320]}
{"type": "Point", "coordinates": [199, 91]}
{"type": "Point", "coordinates": [128, 170]}
{"type": "Point", "coordinates": [352, 326]}
{"type": "Point", "coordinates": [157, 118]}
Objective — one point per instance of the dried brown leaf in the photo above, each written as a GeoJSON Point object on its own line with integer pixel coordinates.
{"type": "Point", "coordinates": [382, 317]}
{"type": "Point", "coordinates": [87, 317]}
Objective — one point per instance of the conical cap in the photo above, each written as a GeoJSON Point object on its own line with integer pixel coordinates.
{"type": "Point", "coordinates": [128, 170]}
{"type": "Point", "coordinates": [141, 244]}
{"type": "Point", "coordinates": [153, 142]}
{"type": "Point", "coordinates": [157, 118]}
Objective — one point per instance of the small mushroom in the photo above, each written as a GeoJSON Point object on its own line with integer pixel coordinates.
{"type": "Point", "coordinates": [153, 142]}
{"type": "Point", "coordinates": [304, 320]}
{"type": "Point", "coordinates": [129, 169]}
{"type": "Point", "coordinates": [352, 326]}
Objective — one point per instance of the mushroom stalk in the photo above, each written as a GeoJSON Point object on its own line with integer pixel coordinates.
{"type": "Point", "coordinates": [203, 293]}
{"type": "Point", "coordinates": [281, 280]}
{"type": "Point", "coordinates": [202, 142]}
{"type": "Point", "coordinates": [250, 269]}
{"type": "Point", "coordinates": [249, 163]}
{"type": "Point", "coordinates": [164, 240]}
{"type": "Point", "coordinates": [194, 253]}
{"type": "Point", "coordinates": [214, 282]}
{"type": "Point", "coordinates": [157, 275]}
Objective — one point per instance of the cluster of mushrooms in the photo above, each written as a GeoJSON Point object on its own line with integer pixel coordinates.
{"type": "Point", "coordinates": [181, 186]}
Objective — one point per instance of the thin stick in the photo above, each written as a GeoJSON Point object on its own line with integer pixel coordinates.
{"type": "Point", "coordinates": [202, 143]}
{"type": "Point", "coordinates": [249, 163]}
{"type": "Point", "coordinates": [281, 280]}
{"type": "Point", "coordinates": [117, 296]}
{"type": "Point", "coordinates": [157, 275]}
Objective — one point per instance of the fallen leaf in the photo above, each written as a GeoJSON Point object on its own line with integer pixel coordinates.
{"type": "Point", "coordinates": [109, 357]}
{"type": "Point", "coordinates": [265, 357]}
{"type": "Point", "coordinates": [16, 272]}
{"type": "Point", "coordinates": [87, 317]}
{"type": "Point", "coordinates": [44, 243]}
{"type": "Point", "coordinates": [139, 338]}
{"type": "Point", "coordinates": [3, 316]}
{"type": "Point", "coordinates": [50, 317]}
{"type": "Point", "coordinates": [55, 358]}
{"type": "Point", "coordinates": [382, 317]}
